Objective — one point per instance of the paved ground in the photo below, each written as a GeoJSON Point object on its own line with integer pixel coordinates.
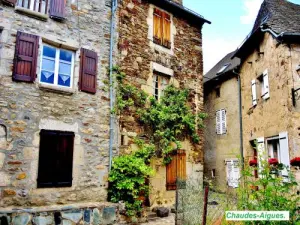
{"type": "Point", "coordinates": [162, 221]}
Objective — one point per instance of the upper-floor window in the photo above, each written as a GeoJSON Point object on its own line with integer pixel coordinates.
{"type": "Point", "coordinates": [162, 28]}
{"type": "Point", "coordinates": [221, 122]}
{"type": "Point", "coordinates": [160, 83]}
{"type": "Point", "coordinates": [57, 66]}
{"type": "Point", "coordinates": [34, 5]}
{"type": "Point", "coordinates": [263, 82]}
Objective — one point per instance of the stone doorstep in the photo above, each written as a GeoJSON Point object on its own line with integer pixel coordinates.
{"type": "Point", "coordinates": [54, 208]}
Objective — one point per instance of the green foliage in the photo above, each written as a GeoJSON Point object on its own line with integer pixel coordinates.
{"type": "Point", "coordinates": [128, 179]}
{"type": "Point", "coordinates": [167, 122]}
{"type": "Point", "coordinates": [274, 193]}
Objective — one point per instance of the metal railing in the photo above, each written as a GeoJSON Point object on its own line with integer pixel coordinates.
{"type": "Point", "coordinates": [40, 6]}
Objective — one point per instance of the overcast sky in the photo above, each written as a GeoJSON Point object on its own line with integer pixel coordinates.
{"type": "Point", "coordinates": [232, 20]}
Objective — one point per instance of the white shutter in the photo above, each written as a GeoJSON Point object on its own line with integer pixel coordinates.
{"type": "Point", "coordinates": [260, 153]}
{"type": "Point", "coordinates": [266, 93]}
{"type": "Point", "coordinates": [284, 151]}
{"type": "Point", "coordinates": [233, 173]}
{"type": "Point", "coordinates": [254, 98]}
{"type": "Point", "coordinates": [223, 121]}
{"type": "Point", "coordinates": [218, 122]}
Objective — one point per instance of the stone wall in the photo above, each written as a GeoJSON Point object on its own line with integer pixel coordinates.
{"type": "Point", "coordinates": [92, 213]}
{"type": "Point", "coordinates": [277, 114]}
{"type": "Point", "coordinates": [183, 63]}
{"type": "Point", "coordinates": [26, 108]}
{"type": "Point", "coordinates": [218, 148]}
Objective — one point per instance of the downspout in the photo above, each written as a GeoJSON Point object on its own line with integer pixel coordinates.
{"type": "Point", "coordinates": [114, 5]}
{"type": "Point", "coordinates": [272, 32]}
{"type": "Point", "coordinates": [240, 118]}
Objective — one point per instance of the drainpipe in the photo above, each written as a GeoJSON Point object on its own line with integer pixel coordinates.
{"type": "Point", "coordinates": [272, 32]}
{"type": "Point", "coordinates": [114, 5]}
{"type": "Point", "coordinates": [240, 118]}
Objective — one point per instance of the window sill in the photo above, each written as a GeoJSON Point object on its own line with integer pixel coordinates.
{"type": "Point", "coordinates": [57, 89]}
{"type": "Point", "coordinates": [32, 13]}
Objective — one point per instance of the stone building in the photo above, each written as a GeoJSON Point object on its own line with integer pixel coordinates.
{"type": "Point", "coordinates": [270, 81]}
{"type": "Point", "coordinates": [54, 105]}
{"type": "Point", "coordinates": [222, 126]}
{"type": "Point", "coordinates": [160, 43]}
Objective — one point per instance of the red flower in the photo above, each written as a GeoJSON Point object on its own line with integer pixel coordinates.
{"type": "Point", "coordinates": [295, 161]}
{"type": "Point", "coordinates": [273, 161]}
{"type": "Point", "coordinates": [253, 162]}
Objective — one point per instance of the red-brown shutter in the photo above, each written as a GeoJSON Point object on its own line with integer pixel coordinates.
{"type": "Point", "coordinates": [25, 60]}
{"type": "Point", "coordinates": [176, 169]}
{"type": "Point", "coordinates": [10, 2]}
{"type": "Point", "coordinates": [88, 71]}
{"type": "Point", "coordinates": [57, 9]}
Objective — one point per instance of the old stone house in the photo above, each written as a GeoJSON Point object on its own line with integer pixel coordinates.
{"type": "Point", "coordinates": [222, 134]}
{"type": "Point", "coordinates": [270, 77]}
{"type": "Point", "coordinates": [54, 105]}
{"type": "Point", "coordinates": [160, 43]}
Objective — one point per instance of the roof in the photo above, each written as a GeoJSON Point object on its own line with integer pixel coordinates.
{"type": "Point", "coordinates": [219, 71]}
{"type": "Point", "coordinates": [281, 17]}
{"type": "Point", "coordinates": [179, 9]}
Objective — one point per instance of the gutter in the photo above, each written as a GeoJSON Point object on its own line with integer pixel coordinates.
{"type": "Point", "coordinates": [240, 118]}
{"type": "Point", "coordinates": [114, 6]}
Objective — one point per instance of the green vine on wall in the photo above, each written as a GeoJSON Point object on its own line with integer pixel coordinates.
{"type": "Point", "coordinates": [167, 122]}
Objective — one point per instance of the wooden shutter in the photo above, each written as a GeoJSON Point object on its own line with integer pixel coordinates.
{"type": "Point", "coordinates": [57, 9]}
{"type": "Point", "coordinates": [166, 30]}
{"type": "Point", "coordinates": [10, 2]}
{"type": "Point", "coordinates": [88, 71]}
{"type": "Point", "coordinates": [284, 151]}
{"type": "Point", "coordinates": [25, 59]}
{"type": "Point", "coordinates": [260, 153]}
{"type": "Point", "coordinates": [218, 122]}
{"type": "Point", "coordinates": [253, 88]}
{"type": "Point", "coordinates": [266, 93]}
{"type": "Point", "coordinates": [55, 159]}
{"type": "Point", "coordinates": [65, 159]}
{"type": "Point", "coordinates": [157, 26]}
{"type": "Point", "coordinates": [223, 121]}
{"type": "Point", "coordinates": [176, 169]}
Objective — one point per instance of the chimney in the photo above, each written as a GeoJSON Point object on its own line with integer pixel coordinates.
{"type": "Point", "coordinates": [178, 1]}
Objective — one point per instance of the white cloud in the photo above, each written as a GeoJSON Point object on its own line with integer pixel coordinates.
{"type": "Point", "coordinates": [215, 49]}
{"type": "Point", "coordinates": [251, 8]}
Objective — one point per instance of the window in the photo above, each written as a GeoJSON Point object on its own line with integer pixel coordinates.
{"type": "Point", "coordinates": [38, 6]}
{"type": "Point", "coordinates": [57, 66]}
{"type": "Point", "coordinates": [176, 169]}
{"type": "Point", "coordinates": [55, 159]}
{"type": "Point", "coordinates": [162, 28]}
{"type": "Point", "coordinates": [264, 84]}
{"type": "Point", "coordinates": [218, 92]}
{"type": "Point", "coordinates": [223, 68]}
{"type": "Point", "coordinates": [233, 173]}
{"type": "Point", "coordinates": [276, 147]}
{"type": "Point", "coordinates": [221, 122]}
{"type": "Point", "coordinates": [159, 85]}
{"type": "Point", "coordinates": [273, 148]}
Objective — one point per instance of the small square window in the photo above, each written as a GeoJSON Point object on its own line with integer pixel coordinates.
{"type": "Point", "coordinates": [218, 92]}
{"type": "Point", "coordinates": [57, 66]}
{"type": "Point", "coordinates": [55, 159]}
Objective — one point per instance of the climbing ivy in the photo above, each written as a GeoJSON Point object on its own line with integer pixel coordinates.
{"type": "Point", "coordinates": [167, 122]}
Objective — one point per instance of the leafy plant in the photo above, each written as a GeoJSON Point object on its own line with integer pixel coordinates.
{"type": "Point", "coordinates": [269, 192]}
